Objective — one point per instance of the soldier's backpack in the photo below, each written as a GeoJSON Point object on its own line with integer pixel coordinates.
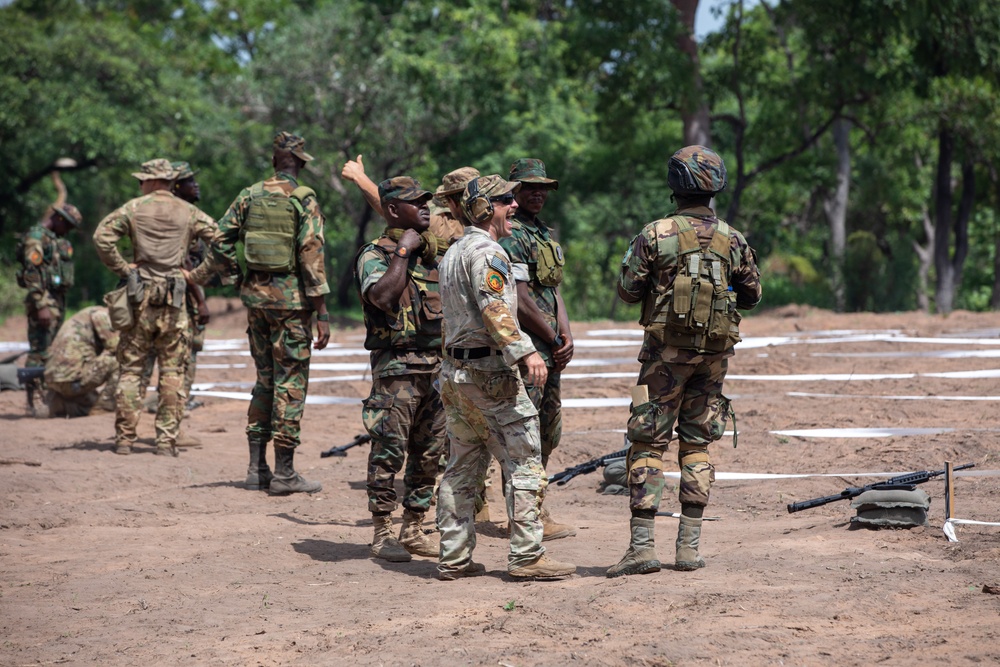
{"type": "Point", "coordinates": [698, 310]}
{"type": "Point", "coordinates": [272, 227]}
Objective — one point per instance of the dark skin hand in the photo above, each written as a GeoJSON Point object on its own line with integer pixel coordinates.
{"type": "Point", "coordinates": [414, 217]}
{"type": "Point", "coordinates": [322, 328]}
{"type": "Point", "coordinates": [531, 318]}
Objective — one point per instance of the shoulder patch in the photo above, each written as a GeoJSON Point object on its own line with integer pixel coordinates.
{"type": "Point", "coordinates": [35, 256]}
{"type": "Point", "coordinates": [500, 264]}
{"type": "Point", "coordinates": [494, 281]}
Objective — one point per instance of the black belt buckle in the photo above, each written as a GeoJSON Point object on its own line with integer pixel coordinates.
{"type": "Point", "coordinates": [470, 352]}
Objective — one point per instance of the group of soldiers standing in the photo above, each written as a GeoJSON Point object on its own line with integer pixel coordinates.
{"type": "Point", "coordinates": [468, 336]}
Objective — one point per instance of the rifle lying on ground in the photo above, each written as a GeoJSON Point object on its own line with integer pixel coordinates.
{"type": "Point", "coordinates": [31, 380]}
{"type": "Point", "coordinates": [586, 467]}
{"type": "Point", "coordinates": [906, 482]}
{"type": "Point", "coordinates": [342, 451]}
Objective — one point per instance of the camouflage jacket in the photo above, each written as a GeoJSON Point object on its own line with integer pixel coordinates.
{"type": "Point", "coordinates": [445, 226]}
{"type": "Point", "coordinates": [280, 291]}
{"type": "Point", "coordinates": [407, 340]}
{"type": "Point", "coordinates": [643, 270]}
{"type": "Point", "coordinates": [522, 246]}
{"type": "Point", "coordinates": [161, 227]}
{"type": "Point", "coordinates": [479, 300]}
{"type": "Point", "coordinates": [81, 339]}
{"type": "Point", "coordinates": [47, 267]}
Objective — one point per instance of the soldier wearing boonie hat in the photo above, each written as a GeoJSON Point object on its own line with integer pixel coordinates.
{"type": "Point", "coordinates": [397, 279]}
{"type": "Point", "coordinates": [161, 227]}
{"type": "Point", "coordinates": [537, 261]}
{"type": "Point", "coordinates": [45, 268]}
{"type": "Point", "coordinates": [694, 265]}
{"type": "Point", "coordinates": [450, 222]}
{"type": "Point", "coordinates": [483, 392]}
{"type": "Point", "coordinates": [281, 227]}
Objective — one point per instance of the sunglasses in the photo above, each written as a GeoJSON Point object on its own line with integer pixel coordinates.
{"type": "Point", "coordinates": [506, 199]}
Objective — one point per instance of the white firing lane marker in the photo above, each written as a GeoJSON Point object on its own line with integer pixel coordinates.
{"type": "Point", "coordinates": [740, 476]}
{"type": "Point", "coordinates": [816, 377]}
{"type": "Point", "coordinates": [220, 366]}
{"type": "Point", "coordinates": [933, 354]}
{"type": "Point", "coordinates": [805, 394]}
{"type": "Point", "coordinates": [310, 400]}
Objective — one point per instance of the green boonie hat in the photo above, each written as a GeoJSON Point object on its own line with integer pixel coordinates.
{"type": "Point", "coordinates": [455, 181]}
{"type": "Point", "coordinates": [71, 213]}
{"type": "Point", "coordinates": [158, 169]}
{"type": "Point", "coordinates": [696, 170]}
{"type": "Point", "coordinates": [293, 143]}
{"type": "Point", "coordinates": [531, 170]}
{"type": "Point", "coordinates": [403, 188]}
{"type": "Point", "coordinates": [182, 170]}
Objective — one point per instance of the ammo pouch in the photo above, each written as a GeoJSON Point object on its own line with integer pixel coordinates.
{"type": "Point", "coordinates": [177, 292]}
{"type": "Point", "coordinates": [66, 276]}
{"type": "Point", "coordinates": [135, 288]}
{"type": "Point", "coordinates": [549, 270]}
{"type": "Point", "coordinates": [119, 309]}
{"type": "Point", "coordinates": [271, 229]}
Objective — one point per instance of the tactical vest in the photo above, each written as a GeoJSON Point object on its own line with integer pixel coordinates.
{"type": "Point", "coordinates": [697, 311]}
{"type": "Point", "coordinates": [271, 229]}
{"type": "Point", "coordinates": [57, 263]}
{"type": "Point", "coordinates": [549, 269]}
{"type": "Point", "coordinates": [416, 324]}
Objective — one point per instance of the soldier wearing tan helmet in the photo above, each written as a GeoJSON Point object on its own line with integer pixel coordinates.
{"type": "Point", "coordinates": [691, 272]}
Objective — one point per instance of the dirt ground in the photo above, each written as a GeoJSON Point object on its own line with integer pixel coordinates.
{"type": "Point", "coordinates": [143, 560]}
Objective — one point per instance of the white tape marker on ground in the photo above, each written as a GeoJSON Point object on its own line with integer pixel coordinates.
{"type": "Point", "coordinates": [310, 400]}
{"type": "Point", "coordinates": [743, 476]}
{"type": "Point", "coordinates": [806, 394]}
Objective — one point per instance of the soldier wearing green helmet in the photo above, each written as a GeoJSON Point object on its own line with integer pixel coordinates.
{"type": "Point", "coordinates": [690, 271]}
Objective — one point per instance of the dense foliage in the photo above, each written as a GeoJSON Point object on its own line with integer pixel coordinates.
{"type": "Point", "coordinates": [862, 138]}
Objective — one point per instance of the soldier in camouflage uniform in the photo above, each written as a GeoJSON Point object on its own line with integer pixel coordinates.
{"type": "Point", "coordinates": [537, 261]}
{"type": "Point", "coordinates": [397, 280]}
{"type": "Point", "coordinates": [46, 271]}
{"type": "Point", "coordinates": [82, 358]}
{"type": "Point", "coordinates": [160, 227]}
{"type": "Point", "coordinates": [488, 410]}
{"type": "Point", "coordinates": [281, 227]}
{"type": "Point", "coordinates": [691, 271]}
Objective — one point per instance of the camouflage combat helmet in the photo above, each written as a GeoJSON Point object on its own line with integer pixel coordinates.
{"type": "Point", "coordinates": [70, 213]}
{"type": "Point", "coordinates": [696, 170]}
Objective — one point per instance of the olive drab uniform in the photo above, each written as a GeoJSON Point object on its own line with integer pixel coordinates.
{"type": "Point", "coordinates": [537, 259]}
{"type": "Point", "coordinates": [488, 410]}
{"type": "Point", "coordinates": [281, 227]}
{"type": "Point", "coordinates": [46, 271]}
{"type": "Point", "coordinates": [161, 227]}
{"type": "Point", "coordinates": [691, 272]}
{"type": "Point", "coordinates": [83, 358]}
{"type": "Point", "coordinates": [403, 412]}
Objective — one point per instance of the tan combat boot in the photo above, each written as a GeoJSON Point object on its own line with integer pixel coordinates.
{"type": "Point", "coordinates": [543, 568]}
{"type": "Point", "coordinates": [185, 439]}
{"type": "Point", "coordinates": [413, 539]}
{"type": "Point", "coordinates": [552, 530]}
{"type": "Point", "coordinates": [472, 569]}
{"type": "Point", "coordinates": [384, 545]}
{"type": "Point", "coordinates": [483, 513]}
{"type": "Point", "coordinates": [688, 537]}
{"type": "Point", "coordinates": [640, 558]}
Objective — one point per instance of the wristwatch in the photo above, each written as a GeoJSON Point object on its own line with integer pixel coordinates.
{"type": "Point", "coordinates": [558, 341]}
{"type": "Point", "coordinates": [323, 317]}
{"type": "Point", "coordinates": [402, 251]}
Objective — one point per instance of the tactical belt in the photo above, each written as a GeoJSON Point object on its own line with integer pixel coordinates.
{"type": "Point", "coordinates": [471, 352]}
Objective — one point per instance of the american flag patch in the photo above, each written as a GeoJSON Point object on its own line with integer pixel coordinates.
{"type": "Point", "coordinates": [500, 265]}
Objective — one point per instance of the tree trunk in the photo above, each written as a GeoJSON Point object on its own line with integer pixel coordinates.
{"type": "Point", "coordinates": [995, 297]}
{"type": "Point", "coordinates": [346, 282]}
{"type": "Point", "coordinates": [694, 109]}
{"type": "Point", "coordinates": [835, 207]}
{"type": "Point", "coordinates": [945, 286]}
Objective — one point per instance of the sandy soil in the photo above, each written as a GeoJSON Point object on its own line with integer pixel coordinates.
{"type": "Point", "coordinates": [142, 560]}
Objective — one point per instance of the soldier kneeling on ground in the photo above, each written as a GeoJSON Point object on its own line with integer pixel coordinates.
{"type": "Point", "coordinates": [81, 360]}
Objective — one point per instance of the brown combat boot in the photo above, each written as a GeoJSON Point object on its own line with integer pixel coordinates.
{"type": "Point", "coordinates": [285, 480]}
{"type": "Point", "coordinates": [413, 539]}
{"type": "Point", "coordinates": [543, 568]}
{"type": "Point", "coordinates": [640, 557]}
{"type": "Point", "coordinates": [688, 537]}
{"type": "Point", "coordinates": [185, 439]}
{"type": "Point", "coordinates": [384, 545]}
{"type": "Point", "coordinates": [483, 513]}
{"type": "Point", "coordinates": [552, 530]}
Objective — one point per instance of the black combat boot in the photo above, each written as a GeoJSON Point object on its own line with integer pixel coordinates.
{"type": "Point", "coordinates": [285, 480]}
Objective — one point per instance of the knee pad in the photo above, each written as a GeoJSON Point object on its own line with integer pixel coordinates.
{"type": "Point", "coordinates": [697, 475]}
{"type": "Point", "coordinates": [645, 477]}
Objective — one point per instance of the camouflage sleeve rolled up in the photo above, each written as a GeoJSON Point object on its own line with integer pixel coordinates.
{"type": "Point", "coordinates": [229, 225]}
{"type": "Point", "coordinates": [109, 231]}
{"type": "Point", "coordinates": [203, 227]}
{"type": "Point", "coordinates": [370, 268]}
{"type": "Point", "coordinates": [519, 246]}
{"type": "Point", "coordinates": [312, 250]}
{"type": "Point", "coordinates": [745, 280]}
{"type": "Point", "coordinates": [637, 266]}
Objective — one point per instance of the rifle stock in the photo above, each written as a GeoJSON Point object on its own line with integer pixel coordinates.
{"type": "Point", "coordinates": [342, 450]}
{"type": "Point", "coordinates": [585, 468]}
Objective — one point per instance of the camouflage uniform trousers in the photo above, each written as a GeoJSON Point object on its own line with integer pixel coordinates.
{"type": "Point", "coordinates": [197, 337]}
{"type": "Point", "coordinates": [502, 423]}
{"type": "Point", "coordinates": [691, 394]}
{"type": "Point", "coordinates": [78, 398]}
{"type": "Point", "coordinates": [41, 337]}
{"type": "Point", "coordinates": [280, 343]}
{"type": "Point", "coordinates": [164, 330]}
{"type": "Point", "coordinates": [547, 399]}
{"type": "Point", "coordinates": [404, 416]}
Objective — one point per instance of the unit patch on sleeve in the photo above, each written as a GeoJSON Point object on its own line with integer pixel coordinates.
{"type": "Point", "coordinates": [494, 281]}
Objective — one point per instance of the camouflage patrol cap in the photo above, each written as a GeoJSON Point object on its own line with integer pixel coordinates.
{"type": "Point", "coordinates": [158, 169]}
{"type": "Point", "coordinates": [294, 144]}
{"type": "Point", "coordinates": [403, 188]}
{"type": "Point", "coordinates": [696, 170]}
{"type": "Point", "coordinates": [455, 181]}
{"type": "Point", "coordinates": [531, 170]}
{"type": "Point", "coordinates": [182, 170]}
{"type": "Point", "coordinates": [70, 213]}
